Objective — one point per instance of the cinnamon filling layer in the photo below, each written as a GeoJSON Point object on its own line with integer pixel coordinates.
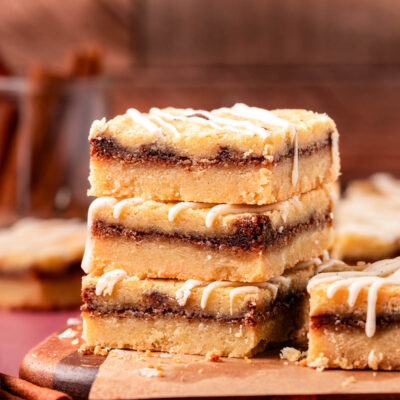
{"type": "Point", "coordinates": [250, 233]}
{"type": "Point", "coordinates": [350, 322]}
{"type": "Point", "coordinates": [155, 305]}
{"type": "Point", "coordinates": [106, 148]}
{"type": "Point", "coordinates": [35, 273]}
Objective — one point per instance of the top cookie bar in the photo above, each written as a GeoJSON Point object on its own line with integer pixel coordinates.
{"type": "Point", "coordinates": [229, 155]}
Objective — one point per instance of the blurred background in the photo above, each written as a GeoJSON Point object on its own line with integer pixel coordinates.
{"type": "Point", "coordinates": [63, 65]}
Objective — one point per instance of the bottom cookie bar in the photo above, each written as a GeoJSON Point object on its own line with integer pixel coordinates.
{"type": "Point", "coordinates": [194, 317]}
{"type": "Point", "coordinates": [355, 317]}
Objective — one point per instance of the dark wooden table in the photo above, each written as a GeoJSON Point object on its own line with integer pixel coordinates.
{"type": "Point", "coordinates": [22, 330]}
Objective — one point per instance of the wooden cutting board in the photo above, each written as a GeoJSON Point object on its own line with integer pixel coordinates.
{"type": "Point", "coordinates": [56, 363]}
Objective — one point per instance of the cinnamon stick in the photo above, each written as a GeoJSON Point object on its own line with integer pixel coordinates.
{"type": "Point", "coordinates": [27, 390]}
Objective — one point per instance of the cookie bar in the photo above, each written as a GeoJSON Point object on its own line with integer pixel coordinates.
{"type": "Point", "coordinates": [195, 317]}
{"type": "Point", "coordinates": [354, 316]}
{"type": "Point", "coordinates": [237, 155]}
{"type": "Point", "coordinates": [40, 263]}
{"type": "Point", "coordinates": [186, 240]}
{"type": "Point", "coordinates": [368, 220]}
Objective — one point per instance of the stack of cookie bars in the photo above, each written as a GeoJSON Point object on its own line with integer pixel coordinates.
{"type": "Point", "coordinates": [207, 227]}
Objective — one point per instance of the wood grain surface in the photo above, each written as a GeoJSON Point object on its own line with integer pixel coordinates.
{"type": "Point", "coordinates": [56, 363]}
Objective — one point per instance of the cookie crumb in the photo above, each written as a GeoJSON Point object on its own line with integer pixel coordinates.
{"type": "Point", "coordinates": [200, 371]}
{"type": "Point", "coordinates": [247, 360]}
{"type": "Point", "coordinates": [320, 363]}
{"type": "Point", "coordinates": [290, 354]}
{"type": "Point", "coordinates": [101, 351]}
{"type": "Point", "coordinates": [67, 334]}
{"type": "Point", "coordinates": [85, 349]}
{"type": "Point", "coordinates": [348, 381]}
{"type": "Point", "coordinates": [213, 356]}
{"type": "Point", "coordinates": [75, 341]}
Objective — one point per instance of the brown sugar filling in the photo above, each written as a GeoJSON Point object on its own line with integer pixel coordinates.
{"type": "Point", "coordinates": [106, 148]}
{"type": "Point", "coordinates": [350, 322]}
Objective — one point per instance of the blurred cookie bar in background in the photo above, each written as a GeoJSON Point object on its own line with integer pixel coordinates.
{"type": "Point", "coordinates": [40, 263]}
{"type": "Point", "coordinates": [368, 220]}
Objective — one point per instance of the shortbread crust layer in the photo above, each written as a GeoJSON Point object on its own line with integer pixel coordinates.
{"type": "Point", "coordinates": [244, 246]}
{"type": "Point", "coordinates": [162, 315]}
{"type": "Point", "coordinates": [216, 164]}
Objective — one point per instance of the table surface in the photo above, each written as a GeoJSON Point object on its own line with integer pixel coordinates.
{"type": "Point", "coordinates": [22, 330]}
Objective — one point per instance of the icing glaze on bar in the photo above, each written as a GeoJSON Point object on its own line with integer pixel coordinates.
{"type": "Point", "coordinates": [210, 287]}
{"type": "Point", "coordinates": [183, 205]}
{"type": "Point", "coordinates": [141, 119]}
{"type": "Point", "coordinates": [184, 292]}
{"type": "Point", "coordinates": [118, 208]}
{"type": "Point", "coordinates": [87, 263]}
{"type": "Point", "coordinates": [335, 150]}
{"type": "Point", "coordinates": [373, 277]}
{"type": "Point", "coordinates": [160, 116]}
{"type": "Point", "coordinates": [105, 284]}
{"type": "Point", "coordinates": [270, 118]}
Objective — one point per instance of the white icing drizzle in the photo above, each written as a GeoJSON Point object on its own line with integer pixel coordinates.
{"type": "Point", "coordinates": [160, 117]}
{"type": "Point", "coordinates": [120, 206]}
{"type": "Point", "coordinates": [170, 117]}
{"type": "Point", "coordinates": [185, 291]}
{"type": "Point", "coordinates": [335, 151]}
{"type": "Point", "coordinates": [245, 126]}
{"type": "Point", "coordinates": [270, 118]}
{"type": "Point", "coordinates": [325, 255]}
{"type": "Point", "coordinates": [265, 116]}
{"type": "Point", "coordinates": [87, 263]}
{"type": "Point", "coordinates": [328, 264]}
{"type": "Point", "coordinates": [241, 290]}
{"type": "Point", "coordinates": [238, 288]}
{"type": "Point", "coordinates": [295, 169]}
{"type": "Point", "coordinates": [376, 275]}
{"type": "Point", "coordinates": [141, 119]}
{"type": "Point", "coordinates": [271, 286]}
{"type": "Point", "coordinates": [209, 288]}
{"type": "Point", "coordinates": [223, 209]}
{"type": "Point", "coordinates": [283, 280]}
{"type": "Point", "coordinates": [175, 210]}
{"type": "Point", "coordinates": [106, 282]}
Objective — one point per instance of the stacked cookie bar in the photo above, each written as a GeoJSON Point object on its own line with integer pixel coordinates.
{"type": "Point", "coordinates": [207, 227]}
